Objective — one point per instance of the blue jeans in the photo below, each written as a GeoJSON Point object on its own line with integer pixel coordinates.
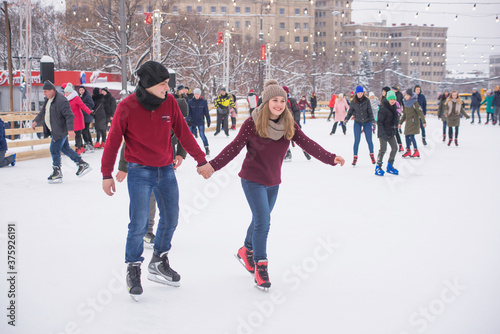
{"type": "Point", "coordinates": [409, 140]}
{"type": "Point", "coordinates": [62, 145]}
{"type": "Point", "coordinates": [261, 200]}
{"type": "Point", "coordinates": [474, 109]}
{"type": "Point", "coordinates": [303, 111]}
{"type": "Point", "coordinates": [445, 126]}
{"type": "Point", "coordinates": [201, 129]}
{"type": "Point", "coordinates": [142, 180]}
{"type": "Point", "coordinates": [367, 128]}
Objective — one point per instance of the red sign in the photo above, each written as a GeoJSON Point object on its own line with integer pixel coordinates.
{"type": "Point", "coordinates": [220, 39]}
{"type": "Point", "coordinates": [148, 18]}
{"type": "Point", "coordinates": [263, 52]}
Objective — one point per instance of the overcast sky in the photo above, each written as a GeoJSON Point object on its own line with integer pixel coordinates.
{"type": "Point", "coordinates": [479, 23]}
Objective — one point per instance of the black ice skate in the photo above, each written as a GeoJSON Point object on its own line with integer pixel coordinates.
{"type": "Point", "coordinates": [56, 176]}
{"type": "Point", "coordinates": [83, 168]}
{"type": "Point", "coordinates": [160, 271]}
{"type": "Point", "coordinates": [288, 156]}
{"type": "Point", "coordinates": [134, 280]}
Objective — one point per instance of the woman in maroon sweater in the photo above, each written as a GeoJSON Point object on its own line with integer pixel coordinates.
{"type": "Point", "coordinates": [266, 135]}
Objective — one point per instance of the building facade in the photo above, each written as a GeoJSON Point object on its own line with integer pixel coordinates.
{"type": "Point", "coordinates": [324, 27]}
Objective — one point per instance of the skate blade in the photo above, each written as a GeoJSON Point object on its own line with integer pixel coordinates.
{"type": "Point", "coordinates": [261, 288]}
{"type": "Point", "coordinates": [162, 280]}
{"type": "Point", "coordinates": [240, 260]}
{"type": "Point", "coordinates": [136, 298]}
{"type": "Point", "coordinates": [85, 172]}
{"type": "Point", "coordinates": [55, 181]}
{"type": "Point", "coordinates": [148, 245]}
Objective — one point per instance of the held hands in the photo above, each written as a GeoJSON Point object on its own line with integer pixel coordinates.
{"type": "Point", "coordinates": [206, 170]}
{"type": "Point", "coordinates": [339, 160]}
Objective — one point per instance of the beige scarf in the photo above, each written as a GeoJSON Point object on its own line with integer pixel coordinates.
{"type": "Point", "coordinates": [275, 130]}
{"type": "Point", "coordinates": [458, 104]}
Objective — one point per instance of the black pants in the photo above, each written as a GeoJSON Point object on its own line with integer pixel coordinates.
{"type": "Point", "coordinates": [233, 121]}
{"type": "Point", "coordinates": [383, 149]}
{"type": "Point", "coordinates": [78, 139]}
{"type": "Point", "coordinates": [422, 128]}
{"type": "Point", "coordinates": [101, 133]}
{"type": "Point", "coordinates": [335, 127]}
{"type": "Point", "coordinates": [87, 138]}
{"type": "Point", "coordinates": [332, 113]}
{"type": "Point", "coordinates": [222, 119]}
{"type": "Point", "coordinates": [312, 111]}
{"type": "Point", "coordinates": [398, 138]}
{"type": "Point", "coordinates": [450, 132]}
{"type": "Point", "coordinates": [5, 161]}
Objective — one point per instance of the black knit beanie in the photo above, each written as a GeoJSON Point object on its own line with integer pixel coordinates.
{"type": "Point", "coordinates": [47, 85]}
{"type": "Point", "coordinates": [152, 73]}
{"type": "Point", "coordinates": [386, 89]}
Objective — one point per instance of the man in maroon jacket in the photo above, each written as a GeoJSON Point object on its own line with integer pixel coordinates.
{"type": "Point", "coordinates": [144, 120]}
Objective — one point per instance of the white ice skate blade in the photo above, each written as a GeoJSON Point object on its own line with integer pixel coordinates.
{"type": "Point", "coordinates": [136, 298]}
{"type": "Point", "coordinates": [85, 172]}
{"type": "Point", "coordinates": [261, 288]}
{"type": "Point", "coordinates": [240, 260]}
{"type": "Point", "coordinates": [162, 280]}
{"type": "Point", "coordinates": [55, 181]}
{"type": "Point", "coordinates": [148, 245]}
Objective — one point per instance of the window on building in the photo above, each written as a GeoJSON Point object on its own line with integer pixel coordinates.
{"type": "Point", "coordinates": [223, 9]}
{"type": "Point", "coordinates": [297, 11]}
{"type": "Point", "coordinates": [138, 8]}
{"type": "Point", "coordinates": [247, 24]}
{"type": "Point", "coordinates": [237, 10]}
{"type": "Point", "coordinates": [174, 9]}
{"type": "Point", "coordinates": [237, 24]}
{"type": "Point", "coordinates": [282, 25]}
{"type": "Point", "coordinates": [305, 39]}
{"type": "Point", "coordinates": [213, 9]}
{"type": "Point", "coordinates": [297, 39]}
{"type": "Point", "coordinates": [199, 9]}
{"type": "Point", "coordinates": [247, 10]}
{"type": "Point", "coordinates": [306, 26]}
{"type": "Point", "coordinates": [282, 39]}
{"type": "Point", "coordinates": [282, 11]}
{"type": "Point", "coordinates": [297, 25]}
{"type": "Point", "coordinates": [189, 9]}
{"type": "Point", "coordinates": [150, 9]}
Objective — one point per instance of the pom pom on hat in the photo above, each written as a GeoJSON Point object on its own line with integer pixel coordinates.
{"type": "Point", "coordinates": [152, 73]}
{"type": "Point", "coordinates": [285, 88]}
{"type": "Point", "coordinates": [272, 89]}
{"type": "Point", "coordinates": [69, 88]}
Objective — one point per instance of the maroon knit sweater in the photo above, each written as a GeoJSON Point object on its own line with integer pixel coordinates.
{"type": "Point", "coordinates": [265, 156]}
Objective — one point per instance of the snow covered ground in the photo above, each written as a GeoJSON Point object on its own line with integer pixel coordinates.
{"type": "Point", "coordinates": [349, 252]}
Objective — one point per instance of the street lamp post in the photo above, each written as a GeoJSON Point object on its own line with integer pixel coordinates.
{"type": "Point", "coordinates": [341, 75]}
{"type": "Point", "coordinates": [314, 71]}
{"type": "Point", "coordinates": [261, 41]}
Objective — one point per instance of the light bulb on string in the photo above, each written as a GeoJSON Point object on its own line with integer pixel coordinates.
{"type": "Point", "coordinates": [387, 6]}
{"type": "Point", "coordinates": [474, 8]}
{"type": "Point", "coordinates": [474, 39]}
{"type": "Point", "coordinates": [380, 13]}
{"type": "Point", "coordinates": [347, 4]}
{"type": "Point", "coordinates": [428, 5]}
{"type": "Point", "coordinates": [416, 15]}
{"type": "Point", "coordinates": [497, 19]}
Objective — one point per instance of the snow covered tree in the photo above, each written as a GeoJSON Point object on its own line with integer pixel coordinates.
{"type": "Point", "coordinates": [364, 73]}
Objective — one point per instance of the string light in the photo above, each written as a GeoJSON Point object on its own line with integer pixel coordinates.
{"type": "Point", "coordinates": [456, 17]}
{"type": "Point", "coordinates": [387, 6]}
{"type": "Point", "coordinates": [380, 12]}
{"type": "Point", "coordinates": [474, 8]}
{"type": "Point", "coordinates": [497, 19]}
{"type": "Point", "coordinates": [416, 15]}
{"type": "Point", "coordinates": [428, 5]}
{"type": "Point", "coordinates": [347, 4]}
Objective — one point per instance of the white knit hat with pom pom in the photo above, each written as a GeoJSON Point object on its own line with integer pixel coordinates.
{"type": "Point", "coordinates": [272, 89]}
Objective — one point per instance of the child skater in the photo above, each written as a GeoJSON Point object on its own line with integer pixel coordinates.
{"type": "Point", "coordinates": [412, 114]}
{"type": "Point", "coordinates": [340, 110]}
{"type": "Point", "coordinates": [454, 108]}
{"type": "Point", "coordinates": [387, 122]}
{"type": "Point", "coordinates": [266, 136]}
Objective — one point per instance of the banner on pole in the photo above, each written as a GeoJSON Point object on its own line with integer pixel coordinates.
{"type": "Point", "coordinates": [148, 18]}
{"type": "Point", "coordinates": [263, 52]}
{"type": "Point", "coordinates": [220, 39]}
